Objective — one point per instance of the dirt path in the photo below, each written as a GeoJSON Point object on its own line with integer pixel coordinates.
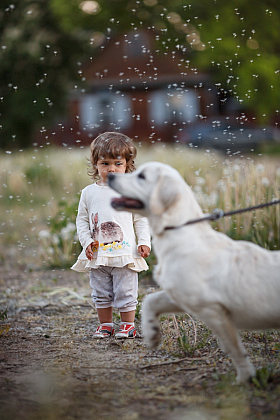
{"type": "Point", "coordinates": [51, 368]}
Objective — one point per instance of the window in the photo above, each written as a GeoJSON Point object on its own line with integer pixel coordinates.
{"type": "Point", "coordinates": [173, 105]}
{"type": "Point", "coordinates": [105, 110]}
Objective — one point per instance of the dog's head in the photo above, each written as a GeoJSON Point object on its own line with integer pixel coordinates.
{"type": "Point", "coordinates": [155, 190]}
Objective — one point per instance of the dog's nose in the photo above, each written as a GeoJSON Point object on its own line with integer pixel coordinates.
{"type": "Point", "coordinates": [110, 178]}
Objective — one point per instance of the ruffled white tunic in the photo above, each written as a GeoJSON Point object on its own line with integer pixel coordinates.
{"type": "Point", "coordinates": [114, 230]}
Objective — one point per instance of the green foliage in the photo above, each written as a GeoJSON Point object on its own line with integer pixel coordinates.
{"type": "Point", "coordinates": [66, 214]}
{"type": "Point", "coordinates": [37, 60]}
{"type": "Point", "coordinates": [240, 49]}
{"type": "Point", "coordinates": [184, 345]}
{"type": "Point", "coordinates": [264, 376]}
{"type": "Point", "coordinates": [4, 315]}
{"type": "Point", "coordinates": [189, 348]}
{"type": "Point", "coordinates": [59, 245]}
{"type": "Point", "coordinates": [38, 174]}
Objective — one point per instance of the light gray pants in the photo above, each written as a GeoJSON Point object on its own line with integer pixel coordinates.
{"type": "Point", "coordinates": [114, 286]}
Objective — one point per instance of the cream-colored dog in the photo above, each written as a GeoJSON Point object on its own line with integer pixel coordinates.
{"type": "Point", "coordinates": [227, 284]}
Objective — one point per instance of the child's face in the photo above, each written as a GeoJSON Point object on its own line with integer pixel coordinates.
{"type": "Point", "coordinates": [108, 165]}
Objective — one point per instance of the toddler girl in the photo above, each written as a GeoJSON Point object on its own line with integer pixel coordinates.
{"type": "Point", "coordinates": [107, 236]}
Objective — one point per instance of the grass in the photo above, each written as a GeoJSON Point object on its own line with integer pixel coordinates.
{"type": "Point", "coordinates": [39, 191]}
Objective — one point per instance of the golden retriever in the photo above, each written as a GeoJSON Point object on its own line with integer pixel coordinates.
{"type": "Point", "coordinates": [227, 284]}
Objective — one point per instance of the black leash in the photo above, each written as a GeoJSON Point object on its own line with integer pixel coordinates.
{"type": "Point", "coordinates": [218, 214]}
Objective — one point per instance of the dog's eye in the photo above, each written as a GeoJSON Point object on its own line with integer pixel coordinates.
{"type": "Point", "coordinates": [141, 175]}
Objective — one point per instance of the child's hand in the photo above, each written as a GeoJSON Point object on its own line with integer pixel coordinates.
{"type": "Point", "coordinates": [94, 246]}
{"type": "Point", "coordinates": [144, 250]}
{"type": "Point", "coordinates": [89, 249]}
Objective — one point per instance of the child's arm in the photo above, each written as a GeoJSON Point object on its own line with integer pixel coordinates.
{"type": "Point", "coordinates": [83, 224]}
{"type": "Point", "coordinates": [142, 230]}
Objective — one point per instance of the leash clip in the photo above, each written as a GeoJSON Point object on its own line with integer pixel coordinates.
{"type": "Point", "coordinates": [216, 214]}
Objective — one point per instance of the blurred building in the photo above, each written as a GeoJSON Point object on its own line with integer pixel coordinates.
{"type": "Point", "coordinates": [132, 87]}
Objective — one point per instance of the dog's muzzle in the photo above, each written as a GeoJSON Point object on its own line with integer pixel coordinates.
{"type": "Point", "coordinates": [110, 178]}
{"type": "Point", "coordinates": [123, 203]}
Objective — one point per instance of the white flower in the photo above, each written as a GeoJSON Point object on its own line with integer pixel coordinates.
{"type": "Point", "coordinates": [260, 167]}
{"type": "Point", "coordinates": [221, 185]}
{"type": "Point", "coordinates": [197, 189]}
{"type": "Point", "coordinates": [55, 239]}
{"type": "Point", "coordinates": [213, 198]}
{"type": "Point", "coordinates": [44, 234]}
{"type": "Point", "coordinates": [50, 250]}
{"type": "Point", "coordinates": [265, 182]}
{"type": "Point", "coordinates": [200, 181]}
{"type": "Point", "coordinates": [65, 234]}
{"type": "Point", "coordinates": [226, 172]}
{"type": "Point", "coordinates": [71, 227]}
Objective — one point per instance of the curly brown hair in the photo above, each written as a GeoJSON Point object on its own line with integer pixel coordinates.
{"type": "Point", "coordinates": [111, 145]}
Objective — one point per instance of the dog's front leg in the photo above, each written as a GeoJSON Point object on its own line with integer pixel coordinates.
{"type": "Point", "coordinates": [154, 305]}
{"type": "Point", "coordinates": [218, 319]}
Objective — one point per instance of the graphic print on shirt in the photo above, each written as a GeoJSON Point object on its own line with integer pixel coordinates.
{"type": "Point", "coordinates": [109, 235]}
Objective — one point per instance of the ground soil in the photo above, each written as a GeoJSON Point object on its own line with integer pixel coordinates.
{"type": "Point", "coordinates": [52, 368]}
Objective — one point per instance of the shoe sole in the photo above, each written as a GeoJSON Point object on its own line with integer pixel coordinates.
{"type": "Point", "coordinates": [123, 336]}
{"type": "Point", "coordinates": [98, 336]}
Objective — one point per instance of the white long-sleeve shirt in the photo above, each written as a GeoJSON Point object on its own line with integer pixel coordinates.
{"type": "Point", "coordinates": [114, 231]}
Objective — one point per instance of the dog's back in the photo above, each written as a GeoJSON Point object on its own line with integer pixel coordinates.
{"type": "Point", "coordinates": [253, 286]}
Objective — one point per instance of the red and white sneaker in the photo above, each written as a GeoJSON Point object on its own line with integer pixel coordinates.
{"type": "Point", "coordinates": [104, 331]}
{"type": "Point", "coordinates": [126, 331]}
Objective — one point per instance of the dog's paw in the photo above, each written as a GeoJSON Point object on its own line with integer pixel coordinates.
{"type": "Point", "coordinates": [150, 323]}
{"type": "Point", "coordinates": [151, 332]}
{"type": "Point", "coordinates": [246, 374]}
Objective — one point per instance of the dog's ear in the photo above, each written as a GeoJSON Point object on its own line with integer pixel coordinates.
{"type": "Point", "coordinates": [163, 195]}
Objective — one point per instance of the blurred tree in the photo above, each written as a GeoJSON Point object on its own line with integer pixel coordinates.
{"type": "Point", "coordinates": [237, 41]}
{"type": "Point", "coordinates": [37, 61]}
